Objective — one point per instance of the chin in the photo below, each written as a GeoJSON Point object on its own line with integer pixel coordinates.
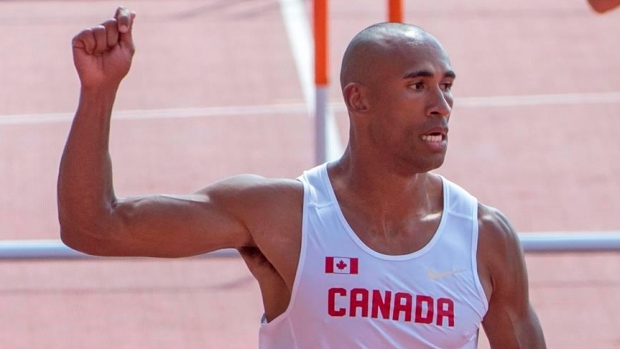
{"type": "Point", "coordinates": [431, 163]}
{"type": "Point", "coordinates": [416, 166]}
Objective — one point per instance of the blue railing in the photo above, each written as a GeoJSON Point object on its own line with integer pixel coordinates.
{"type": "Point", "coordinates": [532, 242]}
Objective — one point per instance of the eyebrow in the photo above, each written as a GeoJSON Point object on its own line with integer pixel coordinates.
{"type": "Point", "coordinates": [427, 73]}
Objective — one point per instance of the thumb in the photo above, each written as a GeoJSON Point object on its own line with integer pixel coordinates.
{"type": "Point", "coordinates": [125, 19]}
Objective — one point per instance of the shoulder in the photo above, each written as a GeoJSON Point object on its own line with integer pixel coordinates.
{"type": "Point", "coordinates": [252, 188]}
{"type": "Point", "coordinates": [252, 197]}
{"type": "Point", "coordinates": [497, 240]}
{"type": "Point", "coordinates": [495, 228]}
{"type": "Point", "coordinates": [500, 255]}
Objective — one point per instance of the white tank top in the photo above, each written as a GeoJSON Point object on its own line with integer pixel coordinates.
{"type": "Point", "coordinates": [347, 296]}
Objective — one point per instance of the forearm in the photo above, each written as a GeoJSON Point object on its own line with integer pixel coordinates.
{"type": "Point", "coordinates": [85, 190]}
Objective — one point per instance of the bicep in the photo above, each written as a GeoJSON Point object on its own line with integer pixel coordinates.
{"type": "Point", "coordinates": [172, 225]}
{"type": "Point", "coordinates": [175, 226]}
{"type": "Point", "coordinates": [510, 322]}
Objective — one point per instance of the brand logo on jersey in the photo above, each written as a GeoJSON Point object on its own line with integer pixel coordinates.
{"type": "Point", "coordinates": [432, 274]}
{"type": "Point", "coordinates": [341, 265]}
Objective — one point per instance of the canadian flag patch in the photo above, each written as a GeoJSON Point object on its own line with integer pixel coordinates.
{"type": "Point", "coordinates": [341, 265]}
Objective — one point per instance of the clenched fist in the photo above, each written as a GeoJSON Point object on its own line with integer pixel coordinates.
{"type": "Point", "coordinates": [102, 54]}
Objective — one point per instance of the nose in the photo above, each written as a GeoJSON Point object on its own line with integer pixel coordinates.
{"type": "Point", "coordinates": [439, 103]}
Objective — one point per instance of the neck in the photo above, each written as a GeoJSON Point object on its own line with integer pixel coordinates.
{"type": "Point", "coordinates": [380, 187]}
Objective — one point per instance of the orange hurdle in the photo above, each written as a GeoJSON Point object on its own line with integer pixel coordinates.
{"type": "Point", "coordinates": [321, 68]}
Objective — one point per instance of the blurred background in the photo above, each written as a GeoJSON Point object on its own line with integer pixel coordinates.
{"type": "Point", "coordinates": [221, 87]}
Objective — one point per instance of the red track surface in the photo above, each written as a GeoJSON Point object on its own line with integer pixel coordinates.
{"type": "Point", "coordinates": [549, 166]}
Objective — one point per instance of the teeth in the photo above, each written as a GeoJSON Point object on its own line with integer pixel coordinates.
{"type": "Point", "coordinates": [432, 138]}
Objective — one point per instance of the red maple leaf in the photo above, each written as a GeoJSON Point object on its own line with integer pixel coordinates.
{"type": "Point", "coordinates": [341, 265]}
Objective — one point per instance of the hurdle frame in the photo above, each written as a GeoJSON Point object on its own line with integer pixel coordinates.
{"type": "Point", "coordinates": [320, 15]}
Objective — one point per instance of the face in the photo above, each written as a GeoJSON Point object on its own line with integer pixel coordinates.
{"type": "Point", "coordinates": [410, 101]}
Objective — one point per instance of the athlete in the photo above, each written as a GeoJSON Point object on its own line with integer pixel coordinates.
{"type": "Point", "coordinates": [370, 251]}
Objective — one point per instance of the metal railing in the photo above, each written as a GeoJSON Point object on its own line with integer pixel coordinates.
{"type": "Point", "coordinates": [531, 242]}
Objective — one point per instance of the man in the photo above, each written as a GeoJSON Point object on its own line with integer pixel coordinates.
{"type": "Point", "coordinates": [370, 251]}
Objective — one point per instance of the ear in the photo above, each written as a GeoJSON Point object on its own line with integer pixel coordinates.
{"type": "Point", "coordinates": [355, 98]}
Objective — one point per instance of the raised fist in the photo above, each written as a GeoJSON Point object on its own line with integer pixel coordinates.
{"type": "Point", "coordinates": [102, 54]}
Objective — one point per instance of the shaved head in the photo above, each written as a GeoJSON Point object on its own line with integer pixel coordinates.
{"type": "Point", "coordinates": [376, 45]}
{"type": "Point", "coordinates": [396, 82]}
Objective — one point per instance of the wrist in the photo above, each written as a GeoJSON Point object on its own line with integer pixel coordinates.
{"type": "Point", "coordinates": [98, 93]}
{"type": "Point", "coordinates": [97, 100]}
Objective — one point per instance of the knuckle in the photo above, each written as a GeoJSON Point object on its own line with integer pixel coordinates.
{"type": "Point", "coordinates": [110, 23]}
{"type": "Point", "coordinates": [98, 32]}
{"type": "Point", "coordinates": [84, 33]}
{"type": "Point", "coordinates": [85, 37]}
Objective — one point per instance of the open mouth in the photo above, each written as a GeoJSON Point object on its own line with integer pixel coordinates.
{"type": "Point", "coordinates": [434, 137]}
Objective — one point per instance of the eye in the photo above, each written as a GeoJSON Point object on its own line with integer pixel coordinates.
{"type": "Point", "coordinates": [417, 86]}
{"type": "Point", "coordinates": [447, 86]}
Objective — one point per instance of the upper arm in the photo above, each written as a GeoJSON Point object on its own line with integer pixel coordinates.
{"type": "Point", "coordinates": [510, 321]}
{"type": "Point", "coordinates": [212, 218]}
